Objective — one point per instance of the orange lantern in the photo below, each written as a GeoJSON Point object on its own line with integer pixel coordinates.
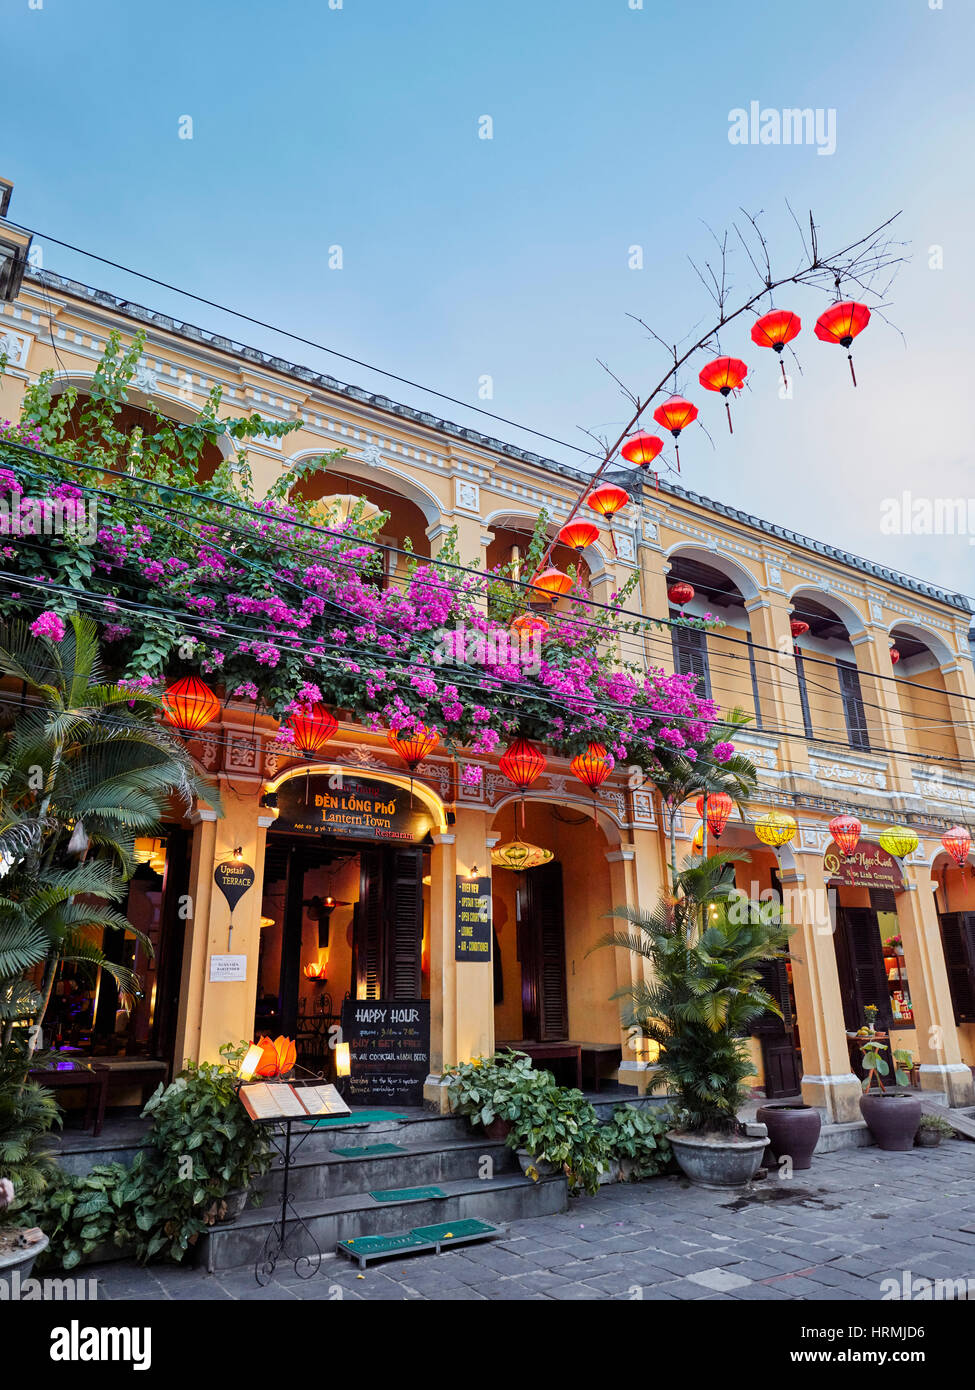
{"type": "Point", "coordinates": [608, 499]}
{"type": "Point", "coordinates": [592, 767]}
{"type": "Point", "coordinates": [841, 323]}
{"type": "Point", "coordinates": [552, 583]}
{"type": "Point", "coordinates": [579, 534]}
{"type": "Point", "coordinates": [641, 449]}
{"type": "Point", "coordinates": [287, 1055]}
{"type": "Point", "coordinates": [724, 374]}
{"type": "Point", "coordinates": [675, 415]}
{"type": "Point", "coordinates": [529, 622]}
{"type": "Point", "coordinates": [268, 1065]}
{"type": "Point", "coordinates": [845, 831]}
{"type": "Point", "coordinates": [189, 704]}
{"type": "Point", "coordinates": [719, 807]}
{"type": "Point", "coordinates": [681, 592]}
{"type": "Point", "coordinates": [774, 330]}
{"type": "Point", "coordinates": [414, 747]}
{"type": "Point", "coordinates": [312, 730]}
{"type": "Point", "coordinates": [958, 843]}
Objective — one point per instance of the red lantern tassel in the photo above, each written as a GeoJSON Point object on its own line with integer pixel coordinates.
{"type": "Point", "coordinates": [849, 358]}
{"type": "Point", "coordinates": [727, 406]}
{"type": "Point", "coordinates": [677, 452]}
{"type": "Point", "coordinates": [782, 365]}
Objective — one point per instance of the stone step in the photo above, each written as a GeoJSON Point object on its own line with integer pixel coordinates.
{"type": "Point", "coordinates": [324, 1174]}
{"type": "Point", "coordinates": [508, 1197]}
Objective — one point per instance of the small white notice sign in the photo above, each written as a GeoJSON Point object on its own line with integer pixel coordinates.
{"type": "Point", "coordinates": [228, 968]}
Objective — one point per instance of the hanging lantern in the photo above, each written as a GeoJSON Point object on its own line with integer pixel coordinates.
{"type": "Point", "coordinates": [189, 704]}
{"type": "Point", "coordinates": [578, 534]}
{"type": "Point", "coordinates": [680, 593]}
{"type": "Point", "coordinates": [898, 840]}
{"type": "Point", "coordinates": [312, 730]}
{"type": "Point", "coordinates": [724, 374]}
{"type": "Point", "coordinates": [641, 449]}
{"type": "Point", "coordinates": [895, 656]}
{"type": "Point", "coordinates": [958, 843]}
{"type": "Point", "coordinates": [776, 829]}
{"type": "Point", "coordinates": [518, 855]}
{"type": "Point", "coordinates": [414, 747]}
{"type": "Point", "coordinates": [675, 415]}
{"type": "Point", "coordinates": [608, 499]}
{"type": "Point", "coordinates": [719, 806]}
{"type": "Point", "coordinates": [774, 330]}
{"type": "Point", "coordinates": [845, 831]}
{"type": "Point", "coordinates": [552, 583]}
{"type": "Point", "coordinates": [697, 842]}
{"type": "Point", "coordinates": [592, 767]}
{"type": "Point", "coordinates": [522, 763]}
{"type": "Point", "coordinates": [798, 627]}
{"type": "Point", "coordinates": [528, 623]}
{"type": "Point", "coordinates": [841, 323]}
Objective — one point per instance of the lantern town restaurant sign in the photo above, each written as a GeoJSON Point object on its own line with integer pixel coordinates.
{"type": "Point", "coordinates": [869, 866]}
{"type": "Point", "coordinates": [357, 807]}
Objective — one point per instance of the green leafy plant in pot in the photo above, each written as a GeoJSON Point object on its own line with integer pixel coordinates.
{"type": "Point", "coordinates": [891, 1117]}
{"type": "Point", "coordinates": [558, 1130]}
{"type": "Point", "coordinates": [491, 1091]}
{"type": "Point", "coordinates": [704, 943]}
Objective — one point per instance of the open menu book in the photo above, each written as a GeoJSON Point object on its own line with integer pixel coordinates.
{"type": "Point", "coordinates": [264, 1101]}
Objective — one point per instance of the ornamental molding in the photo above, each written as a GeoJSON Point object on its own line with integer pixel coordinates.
{"type": "Point", "coordinates": [937, 789]}
{"type": "Point", "coordinates": [15, 346]}
{"type": "Point", "coordinates": [845, 774]}
{"type": "Point", "coordinates": [467, 496]}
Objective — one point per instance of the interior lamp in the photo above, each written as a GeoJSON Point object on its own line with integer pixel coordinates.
{"type": "Point", "coordinates": [250, 1062]}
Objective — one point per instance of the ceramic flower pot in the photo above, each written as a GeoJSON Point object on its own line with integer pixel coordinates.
{"type": "Point", "coordinates": [20, 1258]}
{"type": "Point", "coordinates": [793, 1131]}
{"type": "Point", "coordinates": [498, 1130]}
{"type": "Point", "coordinates": [892, 1120]}
{"type": "Point", "coordinates": [539, 1168]}
{"type": "Point", "coordinates": [927, 1139]}
{"type": "Point", "coordinates": [718, 1161]}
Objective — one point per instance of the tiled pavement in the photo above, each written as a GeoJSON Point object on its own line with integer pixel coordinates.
{"type": "Point", "coordinates": [834, 1232]}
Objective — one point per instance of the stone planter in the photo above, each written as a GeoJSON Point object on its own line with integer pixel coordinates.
{"type": "Point", "coordinates": [21, 1258]}
{"type": "Point", "coordinates": [611, 1173]}
{"type": "Point", "coordinates": [228, 1208]}
{"type": "Point", "coordinates": [927, 1139]}
{"type": "Point", "coordinates": [527, 1160]}
{"type": "Point", "coordinates": [628, 1170]}
{"type": "Point", "coordinates": [717, 1161]}
{"type": "Point", "coordinates": [892, 1120]}
{"type": "Point", "coordinates": [793, 1130]}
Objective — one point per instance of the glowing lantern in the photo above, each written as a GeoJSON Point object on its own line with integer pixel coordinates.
{"type": "Point", "coordinates": [675, 415]}
{"type": "Point", "coordinates": [697, 843]}
{"type": "Point", "coordinates": [895, 656]}
{"type": "Point", "coordinates": [608, 499]}
{"type": "Point", "coordinates": [268, 1063]}
{"type": "Point", "coordinates": [724, 374]}
{"type": "Point", "coordinates": [529, 622]}
{"type": "Point", "coordinates": [840, 324]}
{"type": "Point", "coordinates": [845, 831]}
{"type": "Point", "coordinates": [518, 855]}
{"type": "Point", "coordinates": [414, 747]}
{"type": "Point", "coordinates": [552, 583]}
{"type": "Point", "coordinates": [312, 730]}
{"type": "Point", "coordinates": [680, 593]}
{"type": "Point", "coordinates": [776, 829]}
{"type": "Point", "coordinates": [251, 1060]}
{"type": "Point", "coordinates": [578, 534]}
{"type": "Point", "coordinates": [719, 805]}
{"type": "Point", "coordinates": [898, 840]}
{"type": "Point", "coordinates": [798, 627]}
{"type": "Point", "coordinates": [641, 449]}
{"type": "Point", "coordinates": [774, 330]}
{"type": "Point", "coordinates": [189, 704]}
{"type": "Point", "coordinates": [957, 842]}
{"type": "Point", "coordinates": [592, 767]}
{"type": "Point", "coordinates": [522, 764]}
{"type": "Point", "coordinates": [287, 1055]}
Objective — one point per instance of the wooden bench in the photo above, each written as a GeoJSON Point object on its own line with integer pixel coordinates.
{"type": "Point", "coordinates": [587, 1057]}
{"type": "Point", "coordinates": [128, 1072]}
{"type": "Point", "coordinates": [595, 1054]}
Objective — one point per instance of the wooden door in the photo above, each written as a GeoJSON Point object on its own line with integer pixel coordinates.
{"type": "Point", "coordinates": [780, 1058]}
{"type": "Point", "coordinates": [367, 926]}
{"type": "Point", "coordinates": [544, 1002]}
{"type": "Point", "coordinates": [388, 924]}
{"type": "Point", "coordinates": [860, 962]}
{"type": "Point", "coordinates": [958, 942]}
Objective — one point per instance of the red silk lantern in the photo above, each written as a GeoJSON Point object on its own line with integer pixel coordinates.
{"type": "Point", "coordinates": [774, 330]}
{"type": "Point", "coordinates": [719, 806]}
{"type": "Point", "coordinates": [845, 830]}
{"type": "Point", "coordinates": [642, 448]}
{"type": "Point", "coordinates": [592, 767]}
{"type": "Point", "coordinates": [578, 534]}
{"type": "Point", "coordinates": [798, 627]}
{"type": "Point", "coordinates": [414, 747]}
{"type": "Point", "coordinates": [529, 622]}
{"type": "Point", "coordinates": [680, 593]}
{"type": "Point", "coordinates": [522, 764]}
{"type": "Point", "coordinates": [675, 415]}
{"type": "Point", "coordinates": [724, 374]}
{"type": "Point", "coordinates": [189, 704]}
{"type": "Point", "coordinates": [895, 656]}
{"type": "Point", "coordinates": [552, 583]}
{"type": "Point", "coordinates": [841, 323]}
{"type": "Point", "coordinates": [958, 843]}
{"type": "Point", "coordinates": [608, 499]}
{"type": "Point", "coordinates": [312, 730]}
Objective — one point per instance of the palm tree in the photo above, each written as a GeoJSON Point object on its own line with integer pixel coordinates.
{"type": "Point", "coordinates": [85, 767]}
{"type": "Point", "coordinates": [681, 778]}
{"type": "Point", "coordinates": [704, 943]}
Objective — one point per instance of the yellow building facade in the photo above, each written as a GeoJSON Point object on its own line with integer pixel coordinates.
{"type": "Point", "coordinates": [836, 727]}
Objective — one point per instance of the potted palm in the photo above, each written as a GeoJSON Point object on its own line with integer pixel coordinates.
{"type": "Point", "coordinates": [703, 944]}
{"type": "Point", "coordinates": [27, 1113]}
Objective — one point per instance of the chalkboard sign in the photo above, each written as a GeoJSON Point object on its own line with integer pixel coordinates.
{"type": "Point", "coordinates": [472, 919]}
{"type": "Point", "coordinates": [389, 1049]}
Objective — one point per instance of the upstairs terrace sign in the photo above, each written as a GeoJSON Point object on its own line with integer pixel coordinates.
{"type": "Point", "coordinates": [359, 808]}
{"type": "Point", "coordinates": [870, 866]}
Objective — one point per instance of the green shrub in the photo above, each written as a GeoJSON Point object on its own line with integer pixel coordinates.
{"type": "Point", "coordinates": [639, 1135]}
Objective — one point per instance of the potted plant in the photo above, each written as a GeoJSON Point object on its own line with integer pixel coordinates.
{"type": "Point", "coordinates": [793, 1130]}
{"type": "Point", "coordinates": [636, 1137]}
{"type": "Point", "coordinates": [558, 1130]}
{"type": "Point", "coordinates": [931, 1131]}
{"type": "Point", "coordinates": [491, 1090]}
{"type": "Point", "coordinates": [28, 1111]}
{"type": "Point", "coordinates": [703, 943]}
{"type": "Point", "coordinates": [891, 1117]}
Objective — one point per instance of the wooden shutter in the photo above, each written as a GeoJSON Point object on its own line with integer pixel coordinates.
{"type": "Point", "coordinates": [867, 975]}
{"type": "Point", "coordinates": [774, 978]}
{"type": "Point", "coordinates": [547, 927]}
{"type": "Point", "coordinates": [367, 927]}
{"type": "Point", "coordinates": [853, 712]}
{"type": "Point", "coordinates": [691, 657]}
{"type": "Point", "coordinates": [403, 895]}
{"type": "Point", "coordinates": [958, 941]}
{"type": "Point", "coordinates": [807, 723]}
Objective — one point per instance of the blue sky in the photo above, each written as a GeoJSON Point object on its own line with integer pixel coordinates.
{"type": "Point", "coordinates": [463, 257]}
